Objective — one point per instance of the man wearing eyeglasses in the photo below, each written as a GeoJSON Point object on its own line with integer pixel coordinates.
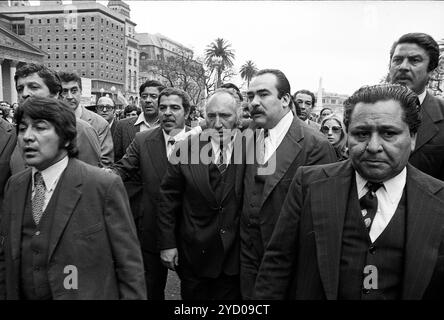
{"type": "Point", "coordinates": [106, 109]}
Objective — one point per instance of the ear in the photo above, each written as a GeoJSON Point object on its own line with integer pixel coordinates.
{"type": "Point", "coordinates": [285, 99]}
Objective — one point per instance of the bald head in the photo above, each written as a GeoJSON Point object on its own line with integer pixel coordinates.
{"type": "Point", "coordinates": [105, 108]}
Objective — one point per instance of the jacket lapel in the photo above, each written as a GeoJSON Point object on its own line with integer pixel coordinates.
{"type": "Point", "coordinates": [5, 135]}
{"type": "Point", "coordinates": [284, 156]}
{"type": "Point", "coordinates": [156, 152]}
{"type": "Point", "coordinates": [423, 233]}
{"type": "Point", "coordinates": [328, 212]}
{"type": "Point", "coordinates": [68, 196]}
{"type": "Point", "coordinates": [430, 113]}
{"type": "Point", "coordinates": [17, 209]}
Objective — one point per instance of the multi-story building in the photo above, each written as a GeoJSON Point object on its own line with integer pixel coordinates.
{"type": "Point", "coordinates": [331, 100]}
{"type": "Point", "coordinates": [87, 37]}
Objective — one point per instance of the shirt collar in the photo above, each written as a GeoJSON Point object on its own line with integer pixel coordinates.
{"type": "Point", "coordinates": [178, 137]}
{"type": "Point", "coordinates": [141, 118]}
{"type": "Point", "coordinates": [216, 147]}
{"type": "Point", "coordinates": [281, 128]}
{"type": "Point", "coordinates": [422, 96]}
{"type": "Point", "coordinates": [51, 174]}
{"type": "Point", "coordinates": [393, 186]}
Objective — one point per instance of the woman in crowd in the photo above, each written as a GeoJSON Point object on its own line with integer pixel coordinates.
{"type": "Point", "coordinates": [333, 128]}
{"type": "Point", "coordinates": [325, 112]}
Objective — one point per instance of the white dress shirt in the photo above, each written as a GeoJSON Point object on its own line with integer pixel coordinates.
{"type": "Point", "coordinates": [422, 96]}
{"type": "Point", "coordinates": [51, 177]}
{"type": "Point", "coordinates": [144, 125]}
{"type": "Point", "coordinates": [276, 135]}
{"type": "Point", "coordinates": [181, 135]}
{"type": "Point", "coordinates": [388, 200]}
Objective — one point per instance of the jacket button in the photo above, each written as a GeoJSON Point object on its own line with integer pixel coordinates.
{"type": "Point", "coordinates": [37, 233]}
{"type": "Point", "coordinates": [372, 249]}
{"type": "Point", "coordinates": [222, 231]}
{"type": "Point", "coordinates": [203, 251]}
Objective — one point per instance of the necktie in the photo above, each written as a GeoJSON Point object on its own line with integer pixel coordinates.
{"type": "Point", "coordinates": [170, 147]}
{"type": "Point", "coordinates": [221, 165]}
{"type": "Point", "coordinates": [39, 197]}
{"type": "Point", "coordinates": [369, 204]}
{"type": "Point", "coordinates": [171, 141]}
{"type": "Point", "coordinates": [261, 155]}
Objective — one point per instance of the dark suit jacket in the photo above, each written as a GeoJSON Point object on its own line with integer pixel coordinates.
{"type": "Point", "coordinates": [123, 136]}
{"type": "Point", "coordinates": [301, 146]}
{"type": "Point", "coordinates": [92, 230]}
{"type": "Point", "coordinates": [429, 151]}
{"type": "Point", "coordinates": [146, 161]}
{"type": "Point", "coordinates": [8, 140]}
{"type": "Point", "coordinates": [307, 240]}
{"type": "Point", "coordinates": [192, 220]}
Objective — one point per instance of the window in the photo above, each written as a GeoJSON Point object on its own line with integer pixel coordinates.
{"type": "Point", "coordinates": [92, 55]}
{"type": "Point", "coordinates": [66, 39]}
{"type": "Point", "coordinates": [83, 55]}
{"type": "Point", "coordinates": [135, 62]}
{"type": "Point", "coordinates": [66, 65]}
{"type": "Point", "coordinates": [92, 73]}
{"type": "Point", "coordinates": [66, 47]}
{"type": "Point", "coordinates": [57, 48]}
{"type": "Point", "coordinates": [57, 39]}
{"type": "Point", "coordinates": [49, 47]}
{"type": "Point", "coordinates": [57, 65]}
{"type": "Point", "coordinates": [57, 56]}
{"type": "Point", "coordinates": [74, 55]}
{"type": "Point", "coordinates": [74, 64]}
{"type": "Point", "coordinates": [74, 38]}
{"type": "Point", "coordinates": [92, 38]}
{"type": "Point", "coordinates": [129, 60]}
{"type": "Point", "coordinates": [66, 56]}
{"type": "Point", "coordinates": [30, 21]}
{"type": "Point", "coordinates": [48, 31]}
{"type": "Point", "coordinates": [92, 64]}
{"type": "Point", "coordinates": [83, 19]}
{"type": "Point", "coordinates": [83, 47]}
{"type": "Point", "coordinates": [32, 39]}
{"type": "Point", "coordinates": [83, 64]}
{"type": "Point", "coordinates": [57, 30]}
{"type": "Point", "coordinates": [48, 21]}
{"type": "Point", "coordinates": [83, 38]}
{"type": "Point", "coordinates": [74, 47]}
{"type": "Point", "coordinates": [92, 19]}
{"type": "Point", "coordinates": [40, 21]}
{"type": "Point", "coordinates": [57, 20]}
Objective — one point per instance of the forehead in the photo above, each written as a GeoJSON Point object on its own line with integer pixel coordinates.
{"type": "Point", "coordinates": [150, 90]}
{"type": "Point", "coordinates": [331, 122]}
{"type": "Point", "coordinates": [33, 77]}
{"type": "Point", "coordinates": [70, 85]}
{"type": "Point", "coordinates": [409, 49]}
{"type": "Point", "coordinates": [171, 100]}
{"type": "Point", "coordinates": [267, 81]}
{"type": "Point", "coordinates": [222, 102]}
{"type": "Point", "coordinates": [105, 100]}
{"type": "Point", "coordinates": [387, 113]}
{"type": "Point", "coordinates": [304, 97]}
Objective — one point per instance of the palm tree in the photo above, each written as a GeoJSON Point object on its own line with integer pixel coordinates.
{"type": "Point", "coordinates": [248, 70]}
{"type": "Point", "coordinates": [219, 55]}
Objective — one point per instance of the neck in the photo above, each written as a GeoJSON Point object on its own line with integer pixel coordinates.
{"type": "Point", "coordinates": [150, 119]}
{"type": "Point", "coordinates": [173, 132]}
{"type": "Point", "coordinates": [78, 112]}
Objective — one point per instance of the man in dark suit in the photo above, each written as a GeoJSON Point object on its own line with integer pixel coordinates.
{"type": "Point", "coordinates": [306, 100]}
{"type": "Point", "coordinates": [127, 128]}
{"type": "Point", "coordinates": [146, 159]}
{"type": "Point", "coordinates": [413, 58]}
{"type": "Point", "coordinates": [200, 206]}
{"type": "Point", "coordinates": [367, 228]}
{"type": "Point", "coordinates": [8, 141]}
{"type": "Point", "coordinates": [288, 143]}
{"type": "Point", "coordinates": [106, 108]}
{"type": "Point", "coordinates": [66, 231]}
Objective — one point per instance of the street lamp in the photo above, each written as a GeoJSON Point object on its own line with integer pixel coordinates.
{"type": "Point", "coordinates": [113, 89]}
{"type": "Point", "coordinates": [101, 91]}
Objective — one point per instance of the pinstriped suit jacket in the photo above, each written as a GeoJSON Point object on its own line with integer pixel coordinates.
{"type": "Point", "coordinates": [306, 244]}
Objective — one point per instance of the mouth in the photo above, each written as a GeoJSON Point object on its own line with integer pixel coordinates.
{"type": "Point", "coordinates": [29, 151]}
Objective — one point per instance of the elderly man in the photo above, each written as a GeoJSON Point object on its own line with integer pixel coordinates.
{"type": "Point", "coordinates": [67, 230]}
{"type": "Point", "coordinates": [146, 159]}
{"type": "Point", "coordinates": [106, 108]}
{"type": "Point", "coordinates": [288, 143]}
{"type": "Point", "coordinates": [413, 58]}
{"type": "Point", "coordinates": [200, 206]}
{"type": "Point", "coordinates": [72, 92]}
{"type": "Point", "coordinates": [367, 228]}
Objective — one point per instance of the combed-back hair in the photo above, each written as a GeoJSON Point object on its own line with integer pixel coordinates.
{"type": "Point", "coordinates": [49, 76]}
{"type": "Point", "coordinates": [282, 86]}
{"type": "Point", "coordinates": [71, 76]}
{"type": "Point", "coordinates": [176, 92]}
{"type": "Point", "coordinates": [151, 83]}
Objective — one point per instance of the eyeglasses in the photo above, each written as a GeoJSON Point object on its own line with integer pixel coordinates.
{"type": "Point", "coordinates": [105, 107]}
{"type": "Point", "coordinates": [334, 129]}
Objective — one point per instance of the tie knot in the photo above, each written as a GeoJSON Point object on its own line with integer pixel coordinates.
{"type": "Point", "coordinates": [266, 133]}
{"type": "Point", "coordinates": [38, 179]}
{"type": "Point", "coordinates": [171, 141]}
{"type": "Point", "coordinates": [374, 186]}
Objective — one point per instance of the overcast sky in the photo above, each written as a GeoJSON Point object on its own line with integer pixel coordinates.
{"type": "Point", "coordinates": [346, 43]}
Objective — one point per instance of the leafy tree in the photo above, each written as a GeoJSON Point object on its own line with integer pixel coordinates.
{"type": "Point", "coordinates": [248, 70]}
{"type": "Point", "coordinates": [219, 55]}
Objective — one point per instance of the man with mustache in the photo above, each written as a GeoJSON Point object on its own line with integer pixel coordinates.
{"type": "Point", "coordinates": [72, 93]}
{"type": "Point", "coordinates": [306, 100]}
{"type": "Point", "coordinates": [200, 206]}
{"type": "Point", "coordinates": [413, 58]}
{"type": "Point", "coordinates": [145, 162]}
{"type": "Point", "coordinates": [287, 143]}
{"type": "Point", "coordinates": [368, 228]}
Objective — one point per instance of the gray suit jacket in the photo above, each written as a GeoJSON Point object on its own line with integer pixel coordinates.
{"type": "Point", "coordinates": [8, 140]}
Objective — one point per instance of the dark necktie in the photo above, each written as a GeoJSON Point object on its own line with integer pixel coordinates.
{"type": "Point", "coordinates": [369, 204]}
{"type": "Point", "coordinates": [171, 141]}
{"type": "Point", "coordinates": [39, 197]}
{"type": "Point", "coordinates": [220, 163]}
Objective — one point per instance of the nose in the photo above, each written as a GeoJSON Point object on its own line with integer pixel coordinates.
{"type": "Point", "coordinates": [404, 65]}
{"type": "Point", "coordinates": [28, 135]}
{"type": "Point", "coordinates": [218, 123]}
{"type": "Point", "coordinates": [167, 111]}
{"type": "Point", "coordinates": [374, 144]}
{"type": "Point", "coordinates": [25, 93]}
{"type": "Point", "coordinates": [255, 101]}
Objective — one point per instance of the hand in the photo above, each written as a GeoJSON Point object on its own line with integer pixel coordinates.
{"type": "Point", "coordinates": [170, 258]}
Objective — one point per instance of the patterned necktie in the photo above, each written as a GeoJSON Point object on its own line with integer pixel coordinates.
{"type": "Point", "coordinates": [221, 165]}
{"type": "Point", "coordinates": [39, 197]}
{"type": "Point", "coordinates": [369, 204]}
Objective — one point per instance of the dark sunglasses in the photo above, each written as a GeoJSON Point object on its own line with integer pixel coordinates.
{"type": "Point", "coordinates": [103, 107]}
{"type": "Point", "coordinates": [326, 129]}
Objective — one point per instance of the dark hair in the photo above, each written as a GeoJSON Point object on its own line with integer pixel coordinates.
{"type": "Point", "coordinates": [384, 92]}
{"type": "Point", "coordinates": [230, 85]}
{"type": "Point", "coordinates": [424, 41]}
{"type": "Point", "coordinates": [49, 77]}
{"type": "Point", "coordinates": [151, 83]}
{"type": "Point", "coordinates": [323, 109]}
{"type": "Point", "coordinates": [130, 108]}
{"type": "Point", "coordinates": [55, 111]}
{"type": "Point", "coordinates": [177, 92]}
{"type": "Point", "coordinates": [313, 97]}
{"type": "Point", "coordinates": [70, 76]}
{"type": "Point", "coordinates": [282, 85]}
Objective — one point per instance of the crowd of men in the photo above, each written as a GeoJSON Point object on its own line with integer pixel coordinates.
{"type": "Point", "coordinates": [260, 200]}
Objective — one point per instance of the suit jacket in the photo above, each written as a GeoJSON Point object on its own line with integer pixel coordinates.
{"type": "Point", "coordinates": [87, 143]}
{"type": "Point", "coordinates": [146, 161]}
{"type": "Point", "coordinates": [316, 126]}
{"type": "Point", "coordinates": [428, 155]}
{"type": "Point", "coordinates": [124, 135]}
{"type": "Point", "coordinates": [105, 138]}
{"type": "Point", "coordinates": [306, 244]}
{"type": "Point", "coordinates": [8, 141]}
{"type": "Point", "coordinates": [194, 221]}
{"type": "Point", "coordinates": [301, 146]}
{"type": "Point", "coordinates": [92, 229]}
